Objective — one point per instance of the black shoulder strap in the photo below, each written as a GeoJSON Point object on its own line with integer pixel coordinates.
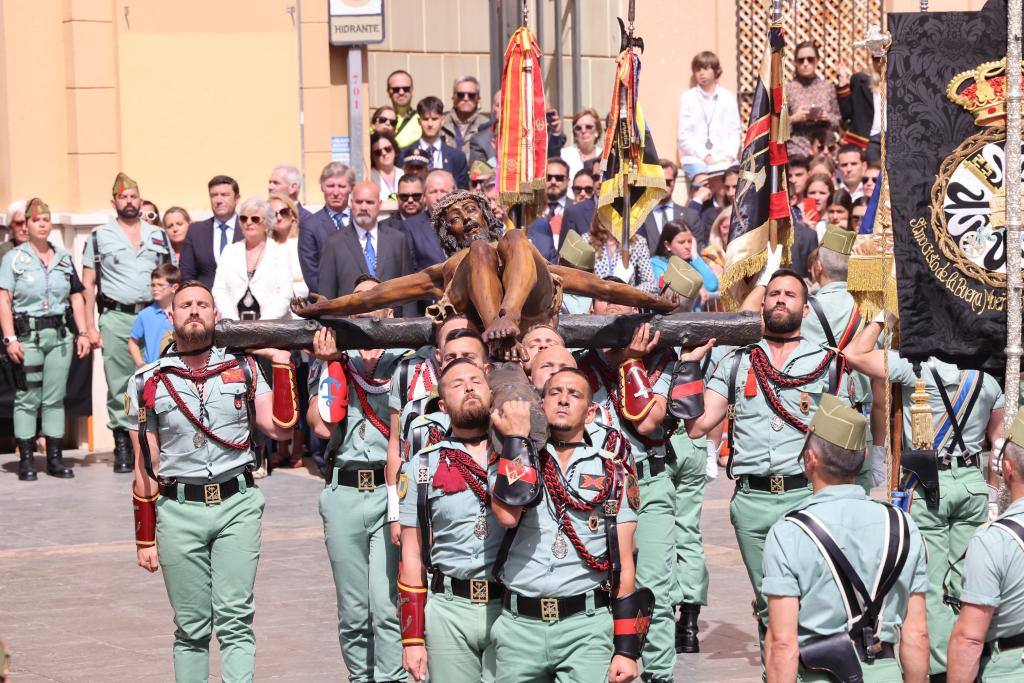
{"type": "Point", "coordinates": [250, 406]}
{"type": "Point", "coordinates": [503, 550]}
{"type": "Point", "coordinates": [1012, 527]}
{"type": "Point", "coordinates": [167, 243]}
{"type": "Point", "coordinates": [731, 409]}
{"type": "Point", "coordinates": [825, 327]}
{"type": "Point", "coordinates": [611, 527]}
{"type": "Point", "coordinates": [147, 456]}
{"type": "Point", "coordinates": [403, 379]}
{"type": "Point", "coordinates": [423, 505]}
{"type": "Point", "coordinates": [957, 427]}
{"type": "Point", "coordinates": [96, 260]}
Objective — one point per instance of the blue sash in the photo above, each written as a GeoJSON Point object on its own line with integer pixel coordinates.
{"type": "Point", "coordinates": [968, 380]}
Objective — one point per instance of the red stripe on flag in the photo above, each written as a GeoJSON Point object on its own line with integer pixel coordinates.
{"type": "Point", "coordinates": [779, 205]}
{"type": "Point", "coordinates": [777, 155]}
{"type": "Point", "coordinates": [777, 99]}
{"type": "Point", "coordinates": [630, 627]}
{"type": "Point", "coordinates": [688, 389]}
{"type": "Point", "coordinates": [757, 129]}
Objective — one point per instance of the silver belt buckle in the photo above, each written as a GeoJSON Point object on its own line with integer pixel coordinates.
{"type": "Point", "coordinates": [776, 483]}
{"type": "Point", "coordinates": [479, 591]}
{"type": "Point", "coordinates": [211, 494]}
{"type": "Point", "coordinates": [549, 609]}
{"type": "Point", "coordinates": [365, 481]}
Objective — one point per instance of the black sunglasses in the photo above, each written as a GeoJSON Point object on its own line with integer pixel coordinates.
{"type": "Point", "coordinates": [401, 88]}
{"type": "Point", "coordinates": [558, 178]}
{"type": "Point", "coordinates": [414, 196]}
{"type": "Point", "coordinates": [390, 122]}
{"type": "Point", "coordinates": [381, 151]}
{"type": "Point", "coordinates": [467, 95]}
{"type": "Point", "coordinates": [255, 220]}
{"type": "Point", "coordinates": [284, 212]}
{"type": "Point", "coordinates": [801, 60]}
{"type": "Point", "coordinates": [583, 189]}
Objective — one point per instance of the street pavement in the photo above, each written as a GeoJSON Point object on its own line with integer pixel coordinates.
{"type": "Point", "coordinates": [75, 607]}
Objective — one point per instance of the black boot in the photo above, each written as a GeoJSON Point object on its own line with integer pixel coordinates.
{"type": "Point", "coordinates": [55, 466]}
{"type": "Point", "coordinates": [686, 629]}
{"type": "Point", "coordinates": [26, 462]}
{"type": "Point", "coordinates": [124, 459]}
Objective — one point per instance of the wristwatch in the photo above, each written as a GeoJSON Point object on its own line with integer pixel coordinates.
{"type": "Point", "coordinates": [8, 340]}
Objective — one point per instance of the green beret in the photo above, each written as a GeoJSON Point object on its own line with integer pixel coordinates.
{"type": "Point", "coordinates": [838, 239]}
{"type": "Point", "coordinates": [683, 278]}
{"type": "Point", "coordinates": [1016, 434]}
{"type": "Point", "coordinates": [839, 424]}
{"type": "Point", "coordinates": [480, 169]}
{"type": "Point", "coordinates": [576, 251]}
{"type": "Point", "coordinates": [122, 182]}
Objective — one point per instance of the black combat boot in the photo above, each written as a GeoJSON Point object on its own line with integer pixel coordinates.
{"type": "Point", "coordinates": [124, 459]}
{"type": "Point", "coordinates": [55, 466]}
{"type": "Point", "coordinates": [26, 462]}
{"type": "Point", "coordinates": [686, 629]}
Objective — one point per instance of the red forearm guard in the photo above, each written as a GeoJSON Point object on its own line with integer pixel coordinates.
{"type": "Point", "coordinates": [412, 601]}
{"type": "Point", "coordinates": [635, 389]}
{"type": "Point", "coordinates": [145, 520]}
{"type": "Point", "coordinates": [286, 397]}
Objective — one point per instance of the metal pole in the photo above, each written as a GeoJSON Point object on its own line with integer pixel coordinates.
{"type": "Point", "coordinates": [355, 108]}
{"type": "Point", "coordinates": [776, 11]}
{"type": "Point", "coordinates": [577, 87]}
{"type": "Point", "coordinates": [1011, 185]}
{"type": "Point", "coordinates": [558, 57]}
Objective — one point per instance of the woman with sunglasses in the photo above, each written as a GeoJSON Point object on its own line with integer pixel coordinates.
{"type": "Point", "coordinates": [176, 222]}
{"type": "Point", "coordinates": [586, 131]}
{"type": "Point", "coordinates": [384, 120]}
{"type": "Point", "coordinates": [813, 106]}
{"type": "Point", "coordinates": [383, 168]}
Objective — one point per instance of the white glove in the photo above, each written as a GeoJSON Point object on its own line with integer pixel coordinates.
{"type": "Point", "coordinates": [711, 466]}
{"type": "Point", "coordinates": [392, 490]}
{"type": "Point", "coordinates": [993, 503]}
{"type": "Point", "coordinates": [877, 454]}
{"type": "Point", "coordinates": [773, 263]}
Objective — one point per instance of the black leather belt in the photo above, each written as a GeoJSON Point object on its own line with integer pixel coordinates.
{"type": "Point", "coordinates": [363, 480]}
{"type": "Point", "coordinates": [1007, 643]}
{"type": "Point", "coordinates": [474, 590]}
{"type": "Point", "coordinates": [774, 483]}
{"type": "Point", "coordinates": [961, 461]}
{"type": "Point", "coordinates": [211, 494]}
{"type": "Point", "coordinates": [553, 609]}
{"type": "Point", "coordinates": [651, 467]}
{"type": "Point", "coordinates": [108, 304]}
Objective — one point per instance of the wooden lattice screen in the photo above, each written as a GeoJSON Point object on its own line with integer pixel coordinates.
{"type": "Point", "coordinates": [833, 24]}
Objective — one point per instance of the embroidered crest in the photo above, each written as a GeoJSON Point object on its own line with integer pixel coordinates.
{"type": "Point", "coordinates": [591, 482]}
{"type": "Point", "coordinates": [232, 376]}
{"type": "Point", "coordinates": [402, 485]}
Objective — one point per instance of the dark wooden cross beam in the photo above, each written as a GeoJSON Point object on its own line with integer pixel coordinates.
{"type": "Point", "coordinates": [578, 331]}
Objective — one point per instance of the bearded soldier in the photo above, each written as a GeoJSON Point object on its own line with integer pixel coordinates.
{"type": "Point", "coordinates": [197, 510]}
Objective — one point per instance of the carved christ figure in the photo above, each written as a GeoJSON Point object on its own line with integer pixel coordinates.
{"type": "Point", "coordinates": [500, 281]}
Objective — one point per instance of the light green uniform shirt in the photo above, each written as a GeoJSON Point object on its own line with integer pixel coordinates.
{"type": "Point", "coordinates": [759, 449]}
{"type": "Point", "coordinates": [124, 272]}
{"type": "Point", "coordinates": [838, 306]}
{"type": "Point", "coordinates": [226, 416]}
{"type": "Point", "coordinates": [456, 550]}
{"type": "Point", "coordinates": [413, 385]}
{"type": "Point", "coordinates": [994, 575]}
{"type": "Point", "coordinates": [35, 289]}
{"type": "Point", "coordinates": [991, 398]}
{"type": "Point", "coordinates": [606, 401]}
{"type": "Point", "coordinates": [795, 567]}
{"type": "Point", "coordinates": [533, 569]}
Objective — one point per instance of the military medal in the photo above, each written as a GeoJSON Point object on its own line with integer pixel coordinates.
{"type": "Point", "coordinates": [805, 403]}
{"type": "Point", "coordinates": [480, 529]}
{"type": "Point", "coordinates": [199, 440]}
{"type": "Point", "coordinates": [559, 548]}
{"type": "Point", "coordinates": [777, 423]}
{"type": "Point", "coordinates": [593, 521]}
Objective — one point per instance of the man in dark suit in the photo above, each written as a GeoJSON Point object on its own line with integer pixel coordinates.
{"type": "Point", "coordinates": [363, 248]}
{"type": "Point", "coordinates": [287, 180]}
{"type": "Point", "coordinates": [336, 182]}
{"type": "Point", "coordinates": [431, 112]}
{"type": "Point", "coordinates": [542, 237]}
{"type": "Point", "coordinates": [205, 240]}
{"type": "Point", "coordinates": [579, 216]}
{"type": "Point", "coordinates": [666, 211]}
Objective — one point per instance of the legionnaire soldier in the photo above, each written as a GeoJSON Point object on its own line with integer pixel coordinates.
{"type": "Point", "coordinates": [844, 574]}
{"type": "Point", "coordinates": [989, 633]}
{"type": "Point", "coordinates": [833, 322]}
{"type": "Point", "coordinates": [769, 391]}
{"type": "Point", "coordinates": [117, 263]}
{"type": "Point", "coordinates": [567, 556]}
{"type": "Point", "coordinates": [948, 493]}
{"type": "Point", "coordinates": [38, 284]}
{"type": "Point", "coordinates": [353, 506]}
{"type": "Point", "coordinates": [197, 510]}
{"type": "Point", "coordinates": [449, 528]}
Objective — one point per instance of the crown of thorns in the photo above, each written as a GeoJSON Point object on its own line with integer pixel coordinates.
{"type": "Point", "coordinates": [439, 218]}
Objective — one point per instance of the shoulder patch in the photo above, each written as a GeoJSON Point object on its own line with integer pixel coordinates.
{"type": "Point", "coordinates": [402, 485]}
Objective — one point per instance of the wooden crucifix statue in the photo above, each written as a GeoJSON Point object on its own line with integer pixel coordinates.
{"type": "Point", "coordinates": [499, 280]}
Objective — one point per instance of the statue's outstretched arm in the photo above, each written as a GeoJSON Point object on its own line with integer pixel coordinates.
{"type": "Point", "coordinates": [577, 281]}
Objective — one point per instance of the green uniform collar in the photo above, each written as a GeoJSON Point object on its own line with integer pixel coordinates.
{"type": "Point", "coordinates": [837, 286]}
{"type": "Point", "coordinates": [834, 492]}
{"type": "Point", "coordinates": [805, 348]}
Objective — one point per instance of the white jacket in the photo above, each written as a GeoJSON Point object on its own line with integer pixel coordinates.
{"type": "Point", "coordinates": [271, 284]}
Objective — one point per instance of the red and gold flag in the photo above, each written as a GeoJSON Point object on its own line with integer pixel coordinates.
{"type": "Point", "coordinates": [761, 217]}
{"type": "Point", "coordinates": [522, 140]}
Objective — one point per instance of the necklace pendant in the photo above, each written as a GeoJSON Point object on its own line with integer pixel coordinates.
{"type": "Point", "coordinates": [480, 529]}
{"type": "Point", "coordinates": [199, 440]}
{"type": "Point", "coordinates": [777, 423]}
{"type": "Point", "coordinates": [708, 144]}
{"type": "Point", "coordinates": [593, 521]}
{"type": "Point", "coordinates": [559, 548]}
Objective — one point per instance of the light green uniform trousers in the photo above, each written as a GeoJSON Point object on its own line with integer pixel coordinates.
{"type": "Point", "coordinates": [208, 554]}
{"type": "Point", "coordinates": [688, 480]}
{"type": "Point", "coordinates": [460, 648]}
{"type": "Point", "coordinates": [577, 649]}
{"type": "Point", "coordinates": [1003, 666]}
{"type": "Point", "coordinates": [752, 514]}
{"type": "Point", "coordinates": [118, 366]}
{"type": "Point", "coordinates": [47, 362]}
{"type": "Point", "coordinates": [963, 507]}
{"type": "Point", "coordinates": [879, 671]}
{"type": "Point", "coordinates": [656, 569]}
{"type": "Point", "coordinates": [365, 568]}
